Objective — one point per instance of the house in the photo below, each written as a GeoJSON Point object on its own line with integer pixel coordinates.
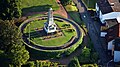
{"type": "Point", "coordinates": [116, 50]}
{"type": "Point", "coordinates": [108, 12]}
{"type": "Point", "coordinates": [108, 9]}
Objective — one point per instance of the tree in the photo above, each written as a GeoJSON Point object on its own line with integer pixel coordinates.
{"type": "Point", "coordinates": [85, 55]}
{"type": "Point", "coordinates": [18, 55]}
{"type": "Point", "coordinates": [66, 2]}
{"type": "Point", "coordinates": [74, 63]}
{"type": "Point", "coordinates": [9, 35]}
{"type": "Point", "coordinates": [9, 9]}
{"type": "Point", "coordinates": [11, 43]}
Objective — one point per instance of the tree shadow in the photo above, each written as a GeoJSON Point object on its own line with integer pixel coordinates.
{"type": "Point", "coordinates": [36, 9]}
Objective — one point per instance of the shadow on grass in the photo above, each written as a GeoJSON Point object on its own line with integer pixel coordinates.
{"type": "Point", "coordinates": [42, 55]}
{"type": "Point", "coordinates": [74, 15]}
{"type": "Point", "coordinates": [36, 34]}
{"type": "Point", "coordinates": [36, 9]}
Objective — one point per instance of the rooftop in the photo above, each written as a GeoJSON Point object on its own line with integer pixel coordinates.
{"type": "Point", "coordinates": [107, 6]}
{"type": "Point", "coordinates": [113, 32]}
{"type": "Point", "coordinates": [111, 22]}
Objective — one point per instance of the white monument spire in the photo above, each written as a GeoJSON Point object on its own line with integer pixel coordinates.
{"type": "Point", "coordinates": [50, 26]}
{"type": "Point", "coordinates": [50, 17]}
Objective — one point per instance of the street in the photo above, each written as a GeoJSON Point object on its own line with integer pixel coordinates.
{"type": "Point", "coordinates": [93, 33]}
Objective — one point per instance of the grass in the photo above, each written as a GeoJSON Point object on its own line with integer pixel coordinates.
{"type": "Point", "coordinates": [38, 15]}
{"type": "Point", "coordinates": [53, 42]}
{"type": "Point", "coordinates": [71, 8]}
{"type": "Point", "coordinates": [90, 3]}
{"type": "Point", "coordinates": [73, 12]}
{"type": "Point", "coordinates": [75, 16]}
{"type": "Point", "coordinates": [38, 5]}
{"type": "Point", "coordinates": [34, 24]}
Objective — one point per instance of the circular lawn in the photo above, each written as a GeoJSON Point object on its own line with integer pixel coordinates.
{"type": "Point", "coordinates": [36, 34]}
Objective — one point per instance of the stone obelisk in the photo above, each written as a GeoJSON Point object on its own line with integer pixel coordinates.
{"type": "Point", "coordinates": [50, 26]}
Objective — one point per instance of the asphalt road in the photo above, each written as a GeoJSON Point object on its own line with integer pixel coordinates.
{"type": "Point", "coordinates": [94, 35]}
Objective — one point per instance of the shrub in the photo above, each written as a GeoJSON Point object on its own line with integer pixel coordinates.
{"type": "Point", "coordinates": [69, 30]}
{"type": "Point", "coordinates": [31, 64]}
{"type": "Point", "coordinates": [74, 63]}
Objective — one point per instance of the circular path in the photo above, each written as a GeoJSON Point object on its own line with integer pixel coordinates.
{"type": "Point", "coordinates": [64, 46]}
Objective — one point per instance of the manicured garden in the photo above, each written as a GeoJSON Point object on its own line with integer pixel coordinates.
{"type": "Point", "coordinates": [36, 36]}
{"type": "Point", "coordinates": [38, 5]}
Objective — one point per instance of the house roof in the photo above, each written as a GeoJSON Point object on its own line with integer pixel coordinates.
{"type": "Point", "coordinates": [107, 6]}
{"type": "Point", "coordinates": [113, 32]}
{"type": "Point", "coordinates": [111, 22]}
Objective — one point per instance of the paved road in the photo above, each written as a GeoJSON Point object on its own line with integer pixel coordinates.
{"type": "Point", "coordinates": [30, 44]}
{"type": "Point", "coordinates": [92, 31]}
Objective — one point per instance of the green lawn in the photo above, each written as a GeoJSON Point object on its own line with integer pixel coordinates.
{"type": "Point", "coordinates": [75, 16]}
{"type": "Point", "coordinates": [38, 5]}
{"type": "Point", "coordinates": [37, 15]}
{"type": "Point", "coordinates": [73, 12]}
{"type": "Point", "coordinates": [34, 24]}
{"type": "Point", "coordinates": [90, 3]}
{"type": "Point", "coordinates": [53, 42]}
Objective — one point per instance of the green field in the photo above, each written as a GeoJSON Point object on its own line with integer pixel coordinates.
{"type": "Point", "coordinates": [38, 5]}
{"type": "Point", "coordinates": [36, 38]}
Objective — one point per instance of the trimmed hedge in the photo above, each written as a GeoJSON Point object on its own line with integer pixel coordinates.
{"type": "Point", "coordinates": [43, 54]}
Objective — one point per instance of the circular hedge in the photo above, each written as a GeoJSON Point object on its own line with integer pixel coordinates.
{"type": "Point", "coordinates": [54, 51]}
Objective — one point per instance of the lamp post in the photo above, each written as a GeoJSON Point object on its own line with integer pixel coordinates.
{"type": "Point", "coordinates": [109, 62]}
{"type": "Point", "coordinates": [29, 34]}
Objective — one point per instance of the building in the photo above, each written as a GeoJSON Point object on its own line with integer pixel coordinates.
{"type": "Point", "coordinates": [108, 9]}
{"type": "Point", "coordinates": [116, 50]}
{"type": "Point", "coordinates": [108, 12]}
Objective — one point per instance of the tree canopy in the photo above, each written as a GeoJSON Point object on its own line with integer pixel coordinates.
{"type": "Point", "coordinates": [11, 43]}
{"type": "Point", "coordinates": [9, 35]}
{"type": "Point", "coordinates": [66, 2]}
{"type": "Point", "coordinates": [9, 9]}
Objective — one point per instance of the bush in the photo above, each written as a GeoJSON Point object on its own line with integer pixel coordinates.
{"type": "Point", "coordinates": [69, 30]}
{"type": "Point", "coordinates": [66, 25]}
{"type": "Point", "coordinates": [31, 64]}
{"type": "Point", "coordinates": [74, 63]}
{"type": "Point", "coordinates": [85, 56]}
{"type": "Point", "coordinates": [66, 2]}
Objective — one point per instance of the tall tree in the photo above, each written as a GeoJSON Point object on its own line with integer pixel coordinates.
{"type": "Point", "coordinates": [9, 35]}
{"type": "Point", "coordinates": [9, 9]}
{"type": "Point", "coordinates": [18, 55]}
{"type": "Point", "coordinates": [11, 43]}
